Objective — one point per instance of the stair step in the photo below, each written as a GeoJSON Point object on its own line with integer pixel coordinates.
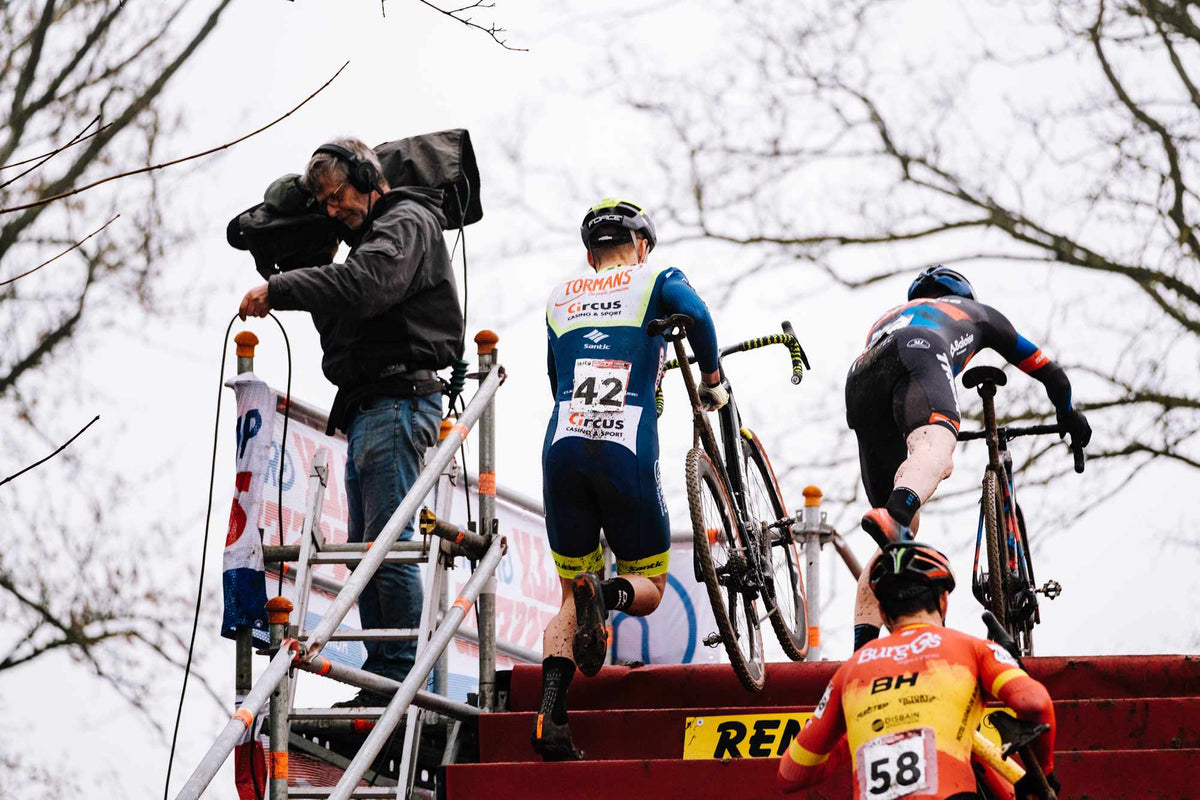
{"type": "Point", "coordinates": [1161, 723]}
{"type": "Point", "coordinates": [802, 683]}
{"type": "Point", "coordinates": [602, 735]}
{"type": "Point", "coordinates": [1145, 774]}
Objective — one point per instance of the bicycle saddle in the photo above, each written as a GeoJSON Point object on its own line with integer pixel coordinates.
{"type": "Point", "coordinates": [978, 375]}
{"type": "Point", "coordinates": [671, 328]}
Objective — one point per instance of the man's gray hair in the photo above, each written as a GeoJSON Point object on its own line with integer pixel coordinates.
{"type": "Point", "coordinates": [334, 169]}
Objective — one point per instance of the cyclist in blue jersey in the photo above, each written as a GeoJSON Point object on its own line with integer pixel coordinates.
{"type": "Point", "coordinates": [901, 403]}
{"type": "Point", "coordinates": [600, 458]}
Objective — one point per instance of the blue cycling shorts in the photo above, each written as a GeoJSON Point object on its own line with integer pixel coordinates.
{"type": "Point", "coordinates": [589, 485]}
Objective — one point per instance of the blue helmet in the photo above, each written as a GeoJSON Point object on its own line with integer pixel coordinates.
{"type": "Point", "coordinates": [937, 281]}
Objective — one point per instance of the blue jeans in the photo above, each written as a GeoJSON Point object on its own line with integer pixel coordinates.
{"type": "Point", "coordinates": [388, 438]}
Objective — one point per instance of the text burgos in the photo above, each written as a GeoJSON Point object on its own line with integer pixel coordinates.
{"type": "Point", "coordinates": [899, 652]}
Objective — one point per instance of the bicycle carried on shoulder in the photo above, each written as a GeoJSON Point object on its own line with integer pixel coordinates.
{"type": "Point", "coordinates": [1007, 587]}
{"type": "Point", "coordinates": [752, 571]}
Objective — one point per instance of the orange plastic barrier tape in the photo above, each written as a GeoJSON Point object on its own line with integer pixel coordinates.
{"type": "Point", "coordinates": [461, 430]}
{"type": "Point", "coordinates": [487, 483]}
{"type": "Point", "coordinates": [464, 604]}
{"type": "Point", "coordinates": [279, 765]}
{"type": "Point", "coordinates": [245, 716]}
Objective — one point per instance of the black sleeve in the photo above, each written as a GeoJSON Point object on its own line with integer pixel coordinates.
{"type": "Point", "coordinates": [375, 277]}
{"type": "Point", "coordinates": [1000, 335]}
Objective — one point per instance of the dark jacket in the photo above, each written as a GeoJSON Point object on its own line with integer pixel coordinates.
{"type": "Point", "coordinates": [391, 307]}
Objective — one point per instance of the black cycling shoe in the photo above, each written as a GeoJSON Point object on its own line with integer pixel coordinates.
{"type": "Point", "coordinates": [591, 634]}
{"type": "Point", "coordinates": [552, 741]}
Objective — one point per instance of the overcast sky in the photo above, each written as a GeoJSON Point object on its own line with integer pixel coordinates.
{"type": "Point", "coordinates": [415, 71]}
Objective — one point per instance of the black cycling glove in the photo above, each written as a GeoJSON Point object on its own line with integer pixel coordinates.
{"type": "Point", "coordinates": [1076, 425]}
{"type": "Point", "coordinates": [1029, 789]}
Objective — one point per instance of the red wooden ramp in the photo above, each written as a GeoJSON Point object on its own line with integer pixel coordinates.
{"type": "Point", "coordinates": [1129, 727]}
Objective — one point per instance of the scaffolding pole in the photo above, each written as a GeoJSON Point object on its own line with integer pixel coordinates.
{"type": "Point", "coordinates": [382, 731]}
{"type": "Point", "coordinates": [485, 612]}
{"type": "Point", "coordinates": [241, 720]}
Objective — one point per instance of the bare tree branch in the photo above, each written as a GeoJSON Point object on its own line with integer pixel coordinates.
{"type": "Point", "coordinates": [490, 29]}
{"type": "Point", "coordinates": [44, 200]}
{"type": "Point", "coordinates": [60, 255]}
{"type": "Point", "coordinates": [52, 455]}
{"type": "Point", "coordinates": [42, 159]}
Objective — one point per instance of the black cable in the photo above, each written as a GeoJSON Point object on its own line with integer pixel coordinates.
{"type": "Point", "coordinates": [462, 346]}
{"type": "Point", "coordinates": [287, 413]}
{"type": "Point", "coordinates": [203, 557]}
{"type": "Point", "coordinates": [462, 450]}
{"type": "Point", "coordinates": [462, 236]}
{"type": "Point", "coordinates": [258, 791]}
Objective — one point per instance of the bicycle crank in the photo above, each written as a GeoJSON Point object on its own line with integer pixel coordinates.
{"type": "Point", "coordinates": [1052, 589]}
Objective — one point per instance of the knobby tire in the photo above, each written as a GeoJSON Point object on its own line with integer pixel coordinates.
{"type": "Point", "coordinates": [739, 631]}
{"type": "Point", "coordinates": [785, 581]}
{"type": "Point", "coordinates": [997, 601]}
{"type": "Point", "coordinates": [1024, 635]}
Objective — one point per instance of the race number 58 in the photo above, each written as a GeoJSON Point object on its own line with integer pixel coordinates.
{"type": "Point", "coordinates": [898, 765]}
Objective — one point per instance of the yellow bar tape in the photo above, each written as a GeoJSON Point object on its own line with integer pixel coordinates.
{"type": "Point", "coordinates": [990, 755]}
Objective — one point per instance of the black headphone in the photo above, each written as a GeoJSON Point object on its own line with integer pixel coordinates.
{"type": "Point", "coordinates": [363, 175]}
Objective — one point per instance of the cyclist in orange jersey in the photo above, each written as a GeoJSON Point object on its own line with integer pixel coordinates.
{"type": "Point", "coordinates": [904, 708]}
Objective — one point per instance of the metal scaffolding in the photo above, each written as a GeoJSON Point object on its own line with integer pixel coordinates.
{"type": "Point", "coordinates": [295, 648]}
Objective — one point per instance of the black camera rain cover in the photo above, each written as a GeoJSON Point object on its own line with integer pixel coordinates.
{"type": "Point", "coordinates": [443, 160]}
{"type": "Point", "coordinates": [288, 230]}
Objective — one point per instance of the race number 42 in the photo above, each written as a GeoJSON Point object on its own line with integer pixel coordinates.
{"type": "Point", "coordinates": [898, 765]}
{"type": "Point", "coordinates": [600, 385]}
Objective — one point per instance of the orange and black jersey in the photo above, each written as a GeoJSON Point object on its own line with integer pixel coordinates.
{"type": "Point", "coordinates": [904, 709]}
{"type": "Point", "coordinates": [959, 328]}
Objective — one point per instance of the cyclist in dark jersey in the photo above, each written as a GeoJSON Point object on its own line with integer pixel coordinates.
{"type": "Point", "coordinates": [903, 710]}
{"type": "Point", "coordinates": [600, 458]}
{"type": "Point", "coordinates": [901, 403]}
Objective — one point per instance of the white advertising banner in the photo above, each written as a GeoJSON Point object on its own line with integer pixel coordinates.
{"type": "Point", "coordinates": [528, 595]}
{"type": "Point", "coordinates": [528, 592]}
{"type": "Point", "coordinates": [305, 439]}
{"type": "Point", "coordinates": [674, 633]}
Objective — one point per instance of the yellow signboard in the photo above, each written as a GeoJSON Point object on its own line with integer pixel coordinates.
{"type": "Point", "coordinates": [763, 735]}
{"type": "Point", "coordinates": [741, 735]}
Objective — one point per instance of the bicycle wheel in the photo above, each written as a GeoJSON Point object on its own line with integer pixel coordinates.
{"type": "Point", "coordinates": [993, 530]}
{"type": "Point", "coordinates": [720, 554]}
{"type": "Point", "coordinates": [1029, 615]}
{"type": "Point", "coordinates": [789, 612]}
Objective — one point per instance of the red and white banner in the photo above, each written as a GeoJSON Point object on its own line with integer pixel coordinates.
{"type": "Point", "coordinates": [242, 577]}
